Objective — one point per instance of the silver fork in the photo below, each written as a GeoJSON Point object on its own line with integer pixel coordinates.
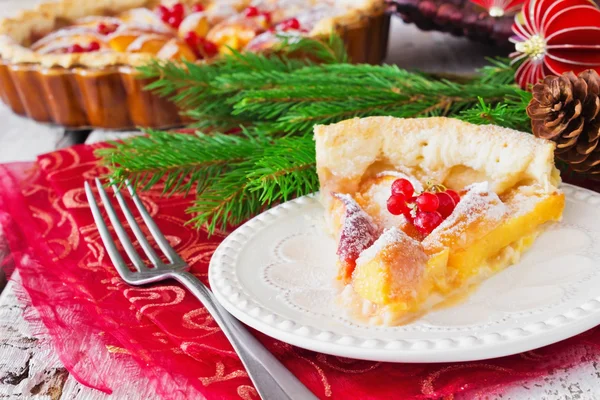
{"type": "Point", "coordinates": [272, 380]}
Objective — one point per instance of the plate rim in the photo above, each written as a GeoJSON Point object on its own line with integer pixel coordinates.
{"type": "Point", "coordinates": [457, 347]}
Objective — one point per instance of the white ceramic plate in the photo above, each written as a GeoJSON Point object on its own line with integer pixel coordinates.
{"type": "Point", "coordinates": [276, 273]}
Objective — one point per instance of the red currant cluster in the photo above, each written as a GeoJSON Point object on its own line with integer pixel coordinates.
{"type": "Point", "coordinates": [201, 47]}
{"type": "Point", "coordinates": [77, 48]}
{"type": "Point", "coordinates": [172, 16]}
{"type": "Point", "coordinates": [106, 29]}
{"type": "Point", "coordinates": [426, 210]}
{"type": "Point", "coordinates": [252, 12]}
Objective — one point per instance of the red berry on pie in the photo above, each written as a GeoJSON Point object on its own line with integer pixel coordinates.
{"type": "Point", "coordinates": [191, 38]}
{"type": "Point", "coordinates": [290, 24]}
{"type": "Point", "coordinates": [105, 29]}
{"type": "Point", "coordinates": [396, 204]}
{"type": "Point", "coordinates": [163, 13]}
{"type": "Point", "coordinates": [427, 202]}
{"type": "Point", "coordinates": [251, 12]}
{"type": "Point", "coordinates": [75, 48]}
{"type": "Point", "coordinates": [426, 222]}
{"type": "Point", "coordinates": [197, 8]}
{"type": "Point", "coordinates": [178, 10]}
{"type": "Point", "coordinates": [446, 204]}
{"type": "Point", "coordinates": [267, 17]}
{"type": "Point", "coordinates": [403, 186]}
{"type": "Point", "coordinates": [210, 49]}
{"type": "Point", "coordinates": [174, 21]}
{"type": "Point", "coordinates": [455, 196]}
{"type": "Point", "coordinates": [93, 46]}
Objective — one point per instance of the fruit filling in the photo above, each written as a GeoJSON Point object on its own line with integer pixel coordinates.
{"type": "Point", "coordinates": [189, 32]}
{"type": "Point", "coordinates": [357, 233]}
{"type": "Point", "coordinates": [442, 243]}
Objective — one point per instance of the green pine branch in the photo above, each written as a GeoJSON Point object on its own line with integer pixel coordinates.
{"type": "Point", "coordinates": [500, 71]}
{"type": "Point", "coordinates": [510, 114]}
{"type": "Point", "coordinates": [288, 95]}
{"type": "Point", "coordinates": [276, 99]}
{"type": "Point", "coordinates": [232, 176]}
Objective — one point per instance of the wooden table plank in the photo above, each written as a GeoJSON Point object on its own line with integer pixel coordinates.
{"type": "Point", "coordinates": [28, 366]}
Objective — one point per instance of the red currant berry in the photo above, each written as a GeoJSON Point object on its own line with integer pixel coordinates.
{"type": "Point", "coordinates": [290, 24]}
{"type": "Point", "coordinates": [427, 202]}
{"type": "Point", "coordinates": [267, 17]}
{"type": "Point", "coordinates": [178, 10]}
{"type": "Point", "coordinates": [396, 204]}
{"type": "Point", "coordinates": [163, 13]}
{"type": "Point", "coordinates": [191, 38]}
{"type": "Point", "coordinates": [175, 21]}
{"type": "Point", "coordinates": [105, 29]}
{"type": "Point", "coordinates": [426, 222]}
{"type": "Point", "coordinates": [75, 48]}
{"type": "Point", "coordinates": [197, 8]}
{"type": "Point", "coordinates": [93, 46]}
{"type": "Point", "coordinates": [251, 12]}
{"type": "Point", "coordinates": [446, 205]}
{"type": "Point", "coordinates": [454, 196]}
{"type": "Point", "coordinates": [210, 49]}
{"type": "Point", "coordinates": [403, 186]}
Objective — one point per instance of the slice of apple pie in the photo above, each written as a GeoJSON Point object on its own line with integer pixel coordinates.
{"type": "Point", "coordinates": [425, 209]}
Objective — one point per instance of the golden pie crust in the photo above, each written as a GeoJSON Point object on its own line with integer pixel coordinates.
{"type": "Point", "coordinates": [390, 273]}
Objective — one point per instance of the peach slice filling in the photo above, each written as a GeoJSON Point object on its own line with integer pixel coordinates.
{"type": "Point", "coordinates": [399, 275]}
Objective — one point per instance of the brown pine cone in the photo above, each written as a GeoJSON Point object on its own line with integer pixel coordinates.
{"type": "Point", "coordinates": [566, 110]}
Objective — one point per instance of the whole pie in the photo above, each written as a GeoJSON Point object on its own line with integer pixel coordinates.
{"type": "Point", "coordinates": [425, 209]}
{"type": "Point", "coordinates": [73, 62]}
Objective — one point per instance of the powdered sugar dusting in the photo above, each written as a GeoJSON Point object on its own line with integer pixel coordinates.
{"type": "Point", "coordinates": [478, 188]}
{"type": "Point", "coordinates": [388, 237]}
{"type": "Point", "coordinates": [525, 200]}
{"type": "Point", "coordinates": [358, 230]}
{"type": "Point", "coordinates": [477, 202]}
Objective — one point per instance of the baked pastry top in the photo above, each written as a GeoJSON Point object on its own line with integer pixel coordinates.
{"type": "Point", "coordinates": [98, 33]}
{"type": "Point", "coordinates": [472, 199]}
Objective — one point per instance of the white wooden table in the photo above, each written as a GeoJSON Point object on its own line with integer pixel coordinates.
{"type": "Point", "coordinates": [29, 369]}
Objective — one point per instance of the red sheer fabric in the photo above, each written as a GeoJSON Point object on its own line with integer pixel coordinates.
{"type": "Point", "coordinates": [109, 334]}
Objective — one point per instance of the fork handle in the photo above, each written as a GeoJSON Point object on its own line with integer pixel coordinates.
{"type": "Point", "coordinates": [272, 380]}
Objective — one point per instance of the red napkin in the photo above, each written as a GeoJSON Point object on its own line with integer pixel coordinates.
{"type": "Point", "coordinates": [109, 334]}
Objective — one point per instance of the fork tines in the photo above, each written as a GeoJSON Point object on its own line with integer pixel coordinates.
{"type": "Point", "coordinates": [109, 243]}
